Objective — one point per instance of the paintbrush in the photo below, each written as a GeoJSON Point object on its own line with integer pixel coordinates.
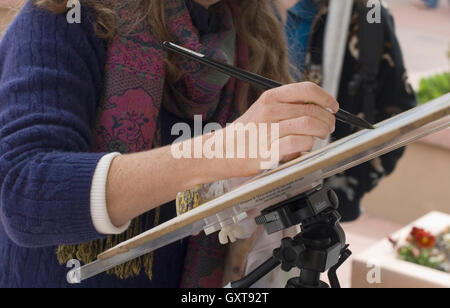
{"type": "Point", "coordinates": [255, 80]}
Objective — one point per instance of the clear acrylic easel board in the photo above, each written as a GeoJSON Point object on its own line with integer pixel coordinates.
{"type": "Point", "coordinates": [286, 181]}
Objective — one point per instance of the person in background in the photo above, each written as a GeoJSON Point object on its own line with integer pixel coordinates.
{"type": "Point", "coordinates": [305, 22]}
{"type": "Point", "coordinates": [431, 4]}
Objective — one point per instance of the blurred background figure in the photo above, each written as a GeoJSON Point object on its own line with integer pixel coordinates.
{"type": "Point", "coordinates": [377, 96]}
{"type": "Point", "coordinates": [424, 36]}
{"type": "Point", "coordinates": [428, 4]}
{"type": "Point", "coordinates": [431, 4]}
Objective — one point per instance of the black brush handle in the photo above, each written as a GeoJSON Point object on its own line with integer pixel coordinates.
{"type": "Point", "coordinates": [255, 80]}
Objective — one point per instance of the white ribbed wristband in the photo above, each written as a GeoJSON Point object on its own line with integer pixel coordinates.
{"type": "Point", "coordinates": [99, 210]}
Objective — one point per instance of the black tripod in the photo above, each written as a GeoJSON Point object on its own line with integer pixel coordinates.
{"type": "Point", "coordinates": [320, 246]}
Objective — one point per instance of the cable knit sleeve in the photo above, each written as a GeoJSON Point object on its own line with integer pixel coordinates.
{"type": "Point", "coordinates": [51, 76]}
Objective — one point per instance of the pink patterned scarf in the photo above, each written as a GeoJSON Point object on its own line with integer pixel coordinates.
{"type": "Point", "coordinates": [136, 89]}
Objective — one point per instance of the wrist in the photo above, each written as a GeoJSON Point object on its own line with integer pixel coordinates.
{"type": "Point", "coordinates": [207, 158]}
{"type": "Point", "coordinates": [99, 209]}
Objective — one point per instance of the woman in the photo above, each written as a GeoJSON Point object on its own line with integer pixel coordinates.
{"type": "Point", "coordinates": [86, 112]}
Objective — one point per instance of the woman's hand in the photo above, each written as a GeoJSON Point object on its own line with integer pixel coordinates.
{"type": "Point", "coordinates": [140, 182]}
{"type": "Point", "coordinates": [304, 111]}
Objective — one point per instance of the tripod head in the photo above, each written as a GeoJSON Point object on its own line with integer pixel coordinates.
{"type": "Point", "coordinates": [319, 247]}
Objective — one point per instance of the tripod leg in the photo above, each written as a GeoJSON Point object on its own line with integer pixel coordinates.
{"type": "Point", "coordinates": [332, 275]}
{"type": "Point", "coordinates": [256, 275]}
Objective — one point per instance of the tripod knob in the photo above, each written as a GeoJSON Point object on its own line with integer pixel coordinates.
{"type": "Point", "coordinates": [333, 198]}
{"type": "Point", "coordinates": [289, 254]}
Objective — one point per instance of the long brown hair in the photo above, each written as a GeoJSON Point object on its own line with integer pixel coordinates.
{"type": "Point", "coordinates": [256, 24]}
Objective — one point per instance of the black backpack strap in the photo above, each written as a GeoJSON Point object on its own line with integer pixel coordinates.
{"type": "Point", "coordinates": [371, 47]}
